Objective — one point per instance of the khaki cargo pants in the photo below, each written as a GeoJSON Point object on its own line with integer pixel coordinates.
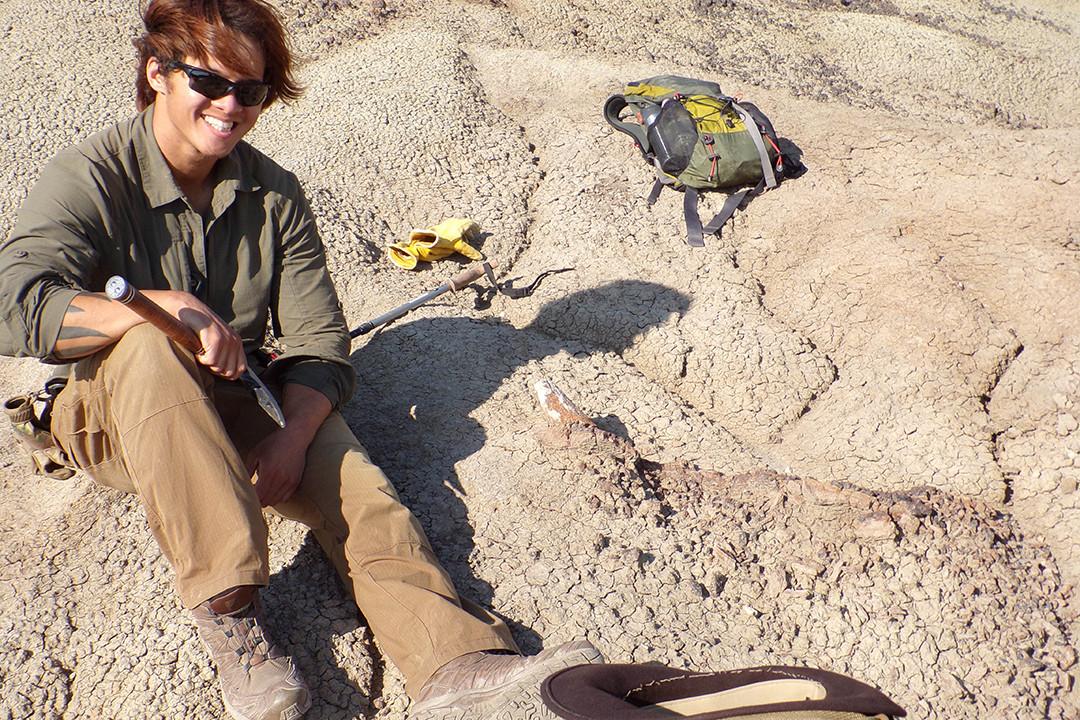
{"type": "Point", "coordinates": [142, 416]}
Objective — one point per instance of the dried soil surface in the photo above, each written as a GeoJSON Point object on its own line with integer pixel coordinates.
{"type": "Point", "coordinates": [845, 434]}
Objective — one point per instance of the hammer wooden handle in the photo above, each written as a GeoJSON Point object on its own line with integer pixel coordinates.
{"type": "Point", "coordinates": [467, 275]}
{"type": "Point", "coordinates": [119, 289]}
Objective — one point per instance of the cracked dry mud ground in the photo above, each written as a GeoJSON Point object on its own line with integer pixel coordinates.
{"type": "Point", "coordinates": [845, 434]}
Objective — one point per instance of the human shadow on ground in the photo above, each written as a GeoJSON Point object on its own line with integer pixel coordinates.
{"type": "Point", "coordinates": [419, 382]}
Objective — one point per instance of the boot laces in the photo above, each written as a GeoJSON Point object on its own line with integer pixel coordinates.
{"type": "Point", "coordinates": [246, 638]}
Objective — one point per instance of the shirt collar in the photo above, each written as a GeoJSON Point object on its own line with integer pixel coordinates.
{"type": "Point", "coordinates": [157, 178]}
{"type": "Point", "coordinates": [230, 175]}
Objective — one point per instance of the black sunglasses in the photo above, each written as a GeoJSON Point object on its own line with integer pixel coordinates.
{"type": "Point", "coordinates": [211, 85]}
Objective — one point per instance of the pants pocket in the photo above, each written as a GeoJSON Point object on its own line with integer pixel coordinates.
{"type": "Point", "coordinates": [82, 436]}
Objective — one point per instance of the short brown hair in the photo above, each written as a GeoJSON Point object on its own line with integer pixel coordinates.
{"type": "Point", "coordinates": [175, 29]}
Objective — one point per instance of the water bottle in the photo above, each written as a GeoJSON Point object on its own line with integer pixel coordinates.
{"type": "Point", "coordinates": [672, 135]}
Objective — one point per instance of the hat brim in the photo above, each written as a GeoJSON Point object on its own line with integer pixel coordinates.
{"type": "Point", "coordinates": [637, 692]}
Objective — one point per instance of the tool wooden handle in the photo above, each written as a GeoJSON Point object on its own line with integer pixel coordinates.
{"type": "Point", "coordinates": [466, 276]}
{"type": "Point", "coordinates": [119, 289]}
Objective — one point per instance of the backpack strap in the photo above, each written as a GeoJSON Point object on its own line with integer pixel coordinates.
{"type": "Point", "coordinates": [733, 202]}
{"type": "Point", "coordinates": [654, 194]}
{"type": "Point", "coordinates": [694, 235]}
{"type": "Point", "coordinates": [755, 135]}
{"type": "Point", "coordinates": [730, 206]}
{"type": "Point", "coordinates": [612, 108]}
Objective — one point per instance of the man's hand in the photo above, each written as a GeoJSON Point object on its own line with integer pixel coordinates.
{"type": "Point", "coordinates": [277, 463]}
{"type": "Point", "coordinates": [223, 349]}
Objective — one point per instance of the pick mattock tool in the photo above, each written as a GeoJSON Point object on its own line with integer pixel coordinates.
{"type": "Point", "coordinates": [119, 289]}
{"type": "Point", "coordinates": [455, 283]}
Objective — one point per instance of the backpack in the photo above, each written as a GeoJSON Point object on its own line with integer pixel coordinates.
{"type": "Point", "coordinates": [698, 138]}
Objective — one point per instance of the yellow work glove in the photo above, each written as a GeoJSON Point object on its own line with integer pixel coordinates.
{"type": "Point", "coordinates": [445, 239]}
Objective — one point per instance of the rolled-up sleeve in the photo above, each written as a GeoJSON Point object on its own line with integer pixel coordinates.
{"type": "Point", "coordinates": [46, 260]}
{"type": "Point", "coordinates": [307, 316]}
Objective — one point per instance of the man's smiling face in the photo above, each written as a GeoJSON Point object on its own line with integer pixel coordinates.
{"type": "Point", "coordinates": [191, 129]}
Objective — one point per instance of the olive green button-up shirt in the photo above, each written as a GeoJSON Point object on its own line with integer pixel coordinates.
{"type": "Point", "coordinates": [110, 206]}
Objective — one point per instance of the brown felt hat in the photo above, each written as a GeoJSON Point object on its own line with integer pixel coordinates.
{"type": "Point", "coordinates": [640, 692]}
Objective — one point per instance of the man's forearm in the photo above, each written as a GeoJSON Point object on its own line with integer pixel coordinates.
{"type": "Point", "coordinates": [305, 410]}
{"type": "Point", "coordinates": [92, 322]}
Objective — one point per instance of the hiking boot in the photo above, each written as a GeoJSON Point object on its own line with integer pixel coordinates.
{"type": "Point", "coordinates": [258, 681]}
{"type": "Point", "coordinates": [481, 684]}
